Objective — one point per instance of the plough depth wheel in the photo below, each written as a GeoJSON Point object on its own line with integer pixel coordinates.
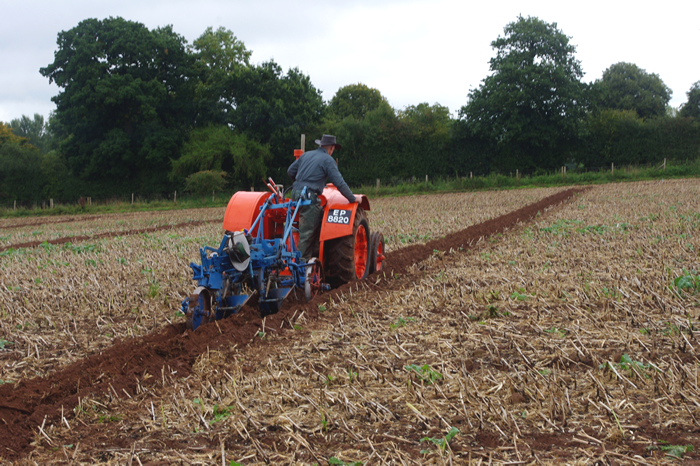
{"type": "Point", "coordinates": [313, 280]}
{"type": "Point", "coordinates": [199, 309]}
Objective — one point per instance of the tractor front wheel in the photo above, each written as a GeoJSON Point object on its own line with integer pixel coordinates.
{"type": "Point", "coordinates": [347, 258]}
{"type": "Point", "coordinates": [376, 252]}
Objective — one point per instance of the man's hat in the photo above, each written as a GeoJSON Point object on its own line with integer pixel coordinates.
{"type": "Point", "coordinates": [328, 140]}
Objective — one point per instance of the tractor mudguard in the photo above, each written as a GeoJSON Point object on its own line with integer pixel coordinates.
{"type": "Point", "coordinates": [243, 209]}
{"type": "Point", "coordinates": [339, 214]}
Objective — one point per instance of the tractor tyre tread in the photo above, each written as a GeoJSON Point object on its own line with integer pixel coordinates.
{"type": "Point", "coordinates": [340, 254]}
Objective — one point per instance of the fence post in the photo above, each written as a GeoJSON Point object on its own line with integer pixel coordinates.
{"type": "Point", "coordinates": [378, 183]}
{"type": "Point", "coordinates": [51, 203]}
{"type": "Point", "coordinates": [132, 198]}
{"type": "Point", "coordinates": [89, 201]}
{"type": "Point", "coordinates": [15, 206]}
{"type": "Point", "coordinates": [471, 174]}
{"type": "Point", "coordinates": [212, 196]}
{"type": "Point", "coordinates": [664, 163]}
{"type": "Point", "coordinates": [517, 174]}
{"type": "Point", "coordinates": [303, 142]}
{"type": "Point", "coordinates": [613, 169]}
{"type": "Point", "coordinates": [175, 197]}
{"type": "Point", "coordinates": [426, 179]}
{"type": "Point", "coordinates": [251, 189]}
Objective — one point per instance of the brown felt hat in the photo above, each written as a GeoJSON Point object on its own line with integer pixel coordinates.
{"type": "Point", "coordinates": [328, 140]}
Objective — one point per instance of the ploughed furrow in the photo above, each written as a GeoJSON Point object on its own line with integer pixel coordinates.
{"type": "Point", "coordinates": [36, 223]}
{"type": "Point", "coordinates": [108, 234]}
{"type": "Point", "coordinates": [28, 404]}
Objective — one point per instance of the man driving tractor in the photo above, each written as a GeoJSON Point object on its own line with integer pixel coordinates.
{"type": "Point", "coordinates": [312, 170]}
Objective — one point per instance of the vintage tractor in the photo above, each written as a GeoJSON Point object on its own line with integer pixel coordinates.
{"type": "Point", "coordinates": [258, 253]}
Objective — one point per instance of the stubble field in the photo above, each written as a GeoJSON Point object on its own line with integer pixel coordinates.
{"type": "Point", "coordinates": [570, 338]}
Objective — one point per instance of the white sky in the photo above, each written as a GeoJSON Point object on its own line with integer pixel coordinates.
{"type": "Point", "coordinates": [412, 51]}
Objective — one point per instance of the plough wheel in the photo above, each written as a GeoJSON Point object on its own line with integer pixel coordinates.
{"type": "Point", "coordinates": [376, 251]}
{"type": "Point", "coordinates": [313, 281]}
{"type": "Point", "coordinates": [199, 309]}
{"type": "Point", "coordinates": [347, 258]}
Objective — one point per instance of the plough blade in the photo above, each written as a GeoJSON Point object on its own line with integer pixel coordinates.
{"type": "Point", "coordinates": [233, 305]}
{"type": "Point", "coordinates": [272, 303]}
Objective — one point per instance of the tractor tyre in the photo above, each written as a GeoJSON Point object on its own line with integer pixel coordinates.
{"type": "Point", "coordinates": [347, 258]}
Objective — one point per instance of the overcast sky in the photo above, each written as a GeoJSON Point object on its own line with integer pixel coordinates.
{"type": "Point", "coordinates": [412, 51]}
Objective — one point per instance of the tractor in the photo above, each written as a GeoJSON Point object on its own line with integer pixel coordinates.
{"type": "Point", "coordinates": [258, 253]}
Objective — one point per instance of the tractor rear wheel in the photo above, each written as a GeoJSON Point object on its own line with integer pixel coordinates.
{"type": "Point", "coordinates": [347, 258]}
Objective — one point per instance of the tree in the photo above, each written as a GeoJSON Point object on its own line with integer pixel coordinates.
{"type": "Point", "coordinates": [274, 109]}
{"type": "Point", "coordinates": [530, 106]}
{"type": "Point", "coordinates": [36, 130]}
{"type": "Point", "coordinates": [425, 132]}
{"type": "Point", "coordinates": [355, 100]}
{"type": "Point", "coordinates": [625, 86]}
{"type": "Point", "coordinates": [9, 136]}
{"type": "Point", "coordinates": [219, 56]}
{"type": "Point", "coordinates": [692, 107]}
{"type": "Point", "coordinates": [20, 172]}
{"type": "Point", "coordinates": [125, 104]}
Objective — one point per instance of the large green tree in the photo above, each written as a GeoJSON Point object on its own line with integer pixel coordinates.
{"type": "Point", "coordinates": [692, 107]}
{"type": "Point", "coordinates": [126, 102]}
{"type": "Point", "coordinates": [355, 100]}
{"type": "Point", "coordinates": [219, 56]}
{"type": "Point", "coordinates": [274, 109]}
{"type": "Point", "coordinates": [35, 129]}
{"type": "Point", "coordinates": [20, 168]}
{"type": "Point", "coordinates": [529, 107]}
{"type": "Point", "coordinates": [625, 86]}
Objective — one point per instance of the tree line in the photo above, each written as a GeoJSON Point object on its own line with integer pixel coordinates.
{"type": "Point", "coordinates": [143, 111]}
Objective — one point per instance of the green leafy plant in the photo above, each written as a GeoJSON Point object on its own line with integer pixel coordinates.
{"type": "Point", "coordinates": [558, 332]}
{"type": "Point", "coordinates": [425, 372]}
{"type": "Point", "coordinates": [671, 329]}
{"type": "Point", "coordinates": [220, 413]}
{"type": "Point", "coordinates": [688, 282]}
{"type": "Point", "coordinates": [401, 322]}
{"type": "Point", "coordinates": [675, 451]}
{"type": "Point", "coordinates": [81, 248]}
{"type": "Point", "coordinates": [520, 295]}
{"type": "Point", "coordinates": [441, 443]}
{"type": "Point", "coordinates": [351, 375]}
{"type": "Point", "coordinates": [627, 364]}
{"type": "Point", "coordinates": [4, 342]}
{"type": "Point", "coordinates": [336, 462]}
{"type": "Point", "coordinates": [329, 379]}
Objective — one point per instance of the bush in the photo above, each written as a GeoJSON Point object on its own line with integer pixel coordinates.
{"type": "Point", "coordinates": [205, 182]}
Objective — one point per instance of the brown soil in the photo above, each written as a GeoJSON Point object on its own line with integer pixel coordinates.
{"type": "Point", "coordinates": [107, 234]}
{"type": "Point", "coordinates": [29, 403]}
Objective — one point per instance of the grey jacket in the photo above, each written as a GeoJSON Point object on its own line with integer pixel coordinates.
{"type": "Point", "coordinates": [313, 168]}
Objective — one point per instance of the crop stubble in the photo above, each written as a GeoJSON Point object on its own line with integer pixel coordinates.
{"type": "Point", "coordinates": [515, 384]}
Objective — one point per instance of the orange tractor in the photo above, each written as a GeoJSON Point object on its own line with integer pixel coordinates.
{"type": "Point", "coordinates": [258, 253]}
